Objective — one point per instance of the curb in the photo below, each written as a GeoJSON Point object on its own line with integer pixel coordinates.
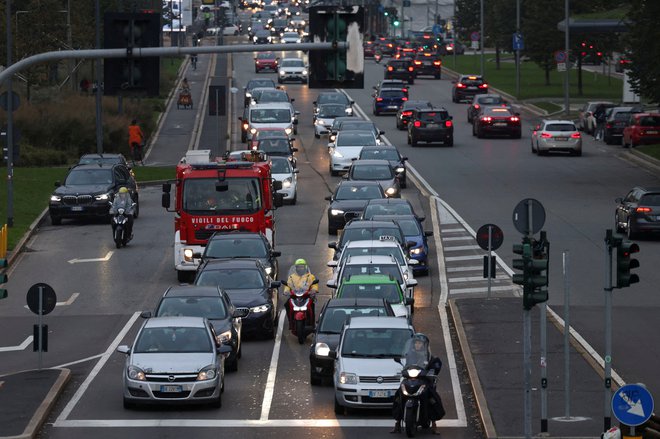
{"type": "Point", "coordinates": [651, 163]}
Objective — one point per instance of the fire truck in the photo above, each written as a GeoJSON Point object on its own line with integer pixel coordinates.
{"type": "Point", "coordinates": [211, 196]}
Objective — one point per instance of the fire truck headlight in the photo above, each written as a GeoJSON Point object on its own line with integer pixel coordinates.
{"type": "Point", "coordinates": [188, 255]}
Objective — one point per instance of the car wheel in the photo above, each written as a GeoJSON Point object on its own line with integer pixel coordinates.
{"type": "Point", "coordinates": [279, 81]}
{"type": "Point", "coordinates": [55, 220]}
{"type": "Point", "coordinates": [469, 119]}
{"type": "Point", "coordinates": [450, 141]}
{"type": "Point", "coordinates": [376, 112]}
{"type": "Point", "coordinates": [243, 138]}
{"type": "Point", "coordinates": [314, 379]}
{"type": "Point", "coordinates": [339, 409]}
{"type": "Point", "coordinates": [408, 139]}
{"type": "Point", "coordinates": [607, 139]}
{"type": "Point", "coordinates": [232, 366]}
{"type": "Point", "coordinates": [517, 135]}
{"type": "Point", "coordinates": [453, 99]}
{"type": "Point", "coordinates": [437, 76]}
{"type": "Point", "coordinates": [183, 276]}
{"type": "Point", "coordinates": [413, 142]}
{"type": "Point", "coordinates": [474, 129]}
{"type": "Point", "coordinates": [404, 184]}
{"type": "Point", "coordinates": [334, 173]}
{"type": "Point", "coordinates": [480, 134]}
{"type": "Point", "coordinates": [218, 402]}
{"type": "Point", "coordinates": [577, 153]}
{"type": "Point", "coordinates": [294, 199]}
{"type": "Point", "coordinates": [332, 230]}
{"type": "Point", "coordinates": [318, 136]}
{"type": "Point", "coordinates": [399, 126]}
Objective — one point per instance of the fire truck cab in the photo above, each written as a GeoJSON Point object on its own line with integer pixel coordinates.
{"type": "Point", "coordinates": [212, 196]}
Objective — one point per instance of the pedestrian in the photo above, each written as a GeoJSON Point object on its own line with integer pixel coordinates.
{"type": "Point", "coordinates": [193, 61]}
{"type": "Point", "coordinates": [135, 141]}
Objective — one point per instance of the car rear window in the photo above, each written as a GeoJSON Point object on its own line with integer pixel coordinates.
{"type": "Point", "coordinates": [560, 127]}
{"type": "Point", "coordinates": [491, 100]}
{"type": "Point", "coordinates": [622, 115]}
{"type": "Point", "coordinates": [398, 63]}
{"type": "Point", "coordinates": [392, 94]}
{"type": "Point", "coordinates": [650, 121]}
{"type": "Point", "coordinates": [650, 200]}
{"type": "Point", "coordinates": [433, 116]}
{"type": "Point", "coordinates": [468, 81]}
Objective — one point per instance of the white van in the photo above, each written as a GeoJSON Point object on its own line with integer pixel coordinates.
{"type": "Point", "coordinates": [272, 115]}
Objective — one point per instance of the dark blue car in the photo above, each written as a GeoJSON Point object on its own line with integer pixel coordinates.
{"type": "Point", "coordinates": [413, 231]}
{"type": "Point", "coordinates": [388, 100]}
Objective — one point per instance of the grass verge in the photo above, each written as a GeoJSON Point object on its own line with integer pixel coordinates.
{"type": "Point", "coordinates": [650, 150]}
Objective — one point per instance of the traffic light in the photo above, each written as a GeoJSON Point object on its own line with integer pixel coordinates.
{"type": "Point", "coordinates": [537, 278]}
{"type": "Point", "coordinates": [131, 76]}
{"type": "Point", "coordinates": [624, 264]}
{"type": "Point", "coordinates": [3, 278]}
{"type": "Point", "coordinates": [525, 250]}
{"type": "Point", "coordinates": [396, 22]}
{"type": "Point", "coordinates": [337, 68]}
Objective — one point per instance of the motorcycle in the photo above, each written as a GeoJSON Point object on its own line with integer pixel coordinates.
{"type": "Point", "coordinates": [301, 310]}
{"type": "Point", "coordinates": [120, 228]}
{"type": "Point", "coordinates": [415, 397]}
{"type": "Point", "coordinates": [377, 57]}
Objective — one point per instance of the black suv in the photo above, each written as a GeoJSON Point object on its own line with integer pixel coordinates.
{"type": "Point", "coordinates": [431, 125]}
{"type": "Point", "coordinates": [428, 63]}
{"type": "Point", "coordinates": [466, 86]}
{"type": "Point", "coordinates": [237, 244]}
{"type": "Point", "coordinates": [88, 191]}
{"type": "Point", "coordinates": [400, 69]}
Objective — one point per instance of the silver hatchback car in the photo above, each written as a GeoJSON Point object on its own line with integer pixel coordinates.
{"type": "Point", "coordinates": [556, 135]}
{"type": "Point", "coordinates": [174, 360]}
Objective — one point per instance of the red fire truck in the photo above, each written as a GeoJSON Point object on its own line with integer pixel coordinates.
{"type": "Point", "coordinates": [212, 196]}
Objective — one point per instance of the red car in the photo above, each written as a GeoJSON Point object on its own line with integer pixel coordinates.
{"type": "Point", "coordinates": [369, 49]}
{"type": "Point", "coordinates": [265, 61]}
{"type": "Point", "coordinates": [643, 128]}
{"type": "Point", "coordinates": [497, 121]}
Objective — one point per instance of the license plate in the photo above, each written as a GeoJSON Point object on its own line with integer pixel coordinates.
{"type": "Point", "coordinates": [499, 124]}
{"type": "Point", "coordinates": [561, 139]}
{"type": "Point", "coordinates": [651, 132]}
{"type": "Point", "coordinates": [76, 208]}
{"type": "Point", "coordinates": [392, 106]}
{"type": "Point", "coordinates": [379, 393]}
{"type": "Point", "coordinates": [170, 389]}
{"type": "Point", "coordinates": [431, 125]}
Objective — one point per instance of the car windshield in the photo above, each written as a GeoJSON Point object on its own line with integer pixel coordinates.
{"type": "Point", "coordinates": [332, 98]}
{"type": "Point", "coordinates": [372, 172]}
{"type": "Point", "coordinates": [355, 139]}
{"type": "Point", "coordinates": [350, 192]}
{"type": "Point", "coordinates": [390, 154]}
{"type": "Point", "coordinates": [173, 340]}
{"type": "Point", "coordinates": [371, 233]}
{"type": "Point", "coordinates": [273, 96]}
{"type": "Point", "coordinates": [560, 127]}
{"type": "Point", "coordinates": [650, 200]}
{"type": "Point", "coordinates": [497, 112]}
{"type": "Point", "coordinates": [235, 248]}
{"type": "Point", "coordinates": [291, 35]}
{"type": "Point", "coordinates": [432, 116]}
{"type": "Point", "coordinates": [209, 307]}
{"type": "Point", "coordinates": [409, 226]}
{"type": "Point", "coordinates": [387, 209]}
{"type": "Point", "coordinates": [270, 115]}
{"type": "Point", "coordinates": [368, 251]}
{"type": "Point", "coordinates": [274, 146]}
{"type": "Point", "coordinates": [415, 104]}
{"type": "Point", "coordinates": [255, 83]}
{"type": "Point", "coordinates": [472, 81]}
{"type": "Point", "coordinates": [490, 100]}
{"type": "Point", "coordinates": [265, 56]}
{"type": "Point", "coordinates": [356, 126]}
{"type": "Point", "coordinates": [393, 270]}
{"type": "Point", "coordinates": [376, 342]}
{"type": "Point", "coordinates": [399, 64]}
{"type": "Point", "coordinates": [292, 63]}
{"type": "Point", "coordinates": [201, 197]}
{"type": "Point", "coordinates": [332, 110]}
{"type": "Point", "coordinates": [232, 279]}
{"type": "Point", "coordinates": [622, 115]}
{"type": "Point", "coordinates": [334, 318]}
{"type": "Point", "coordinates": [280, 23]}
{"type": "Point", "coordinates": [281, 167]}
{"type": "Point", "coordinates": [89, 177]}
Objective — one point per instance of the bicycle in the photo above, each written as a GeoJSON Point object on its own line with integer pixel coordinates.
{"type": "Point", "coordinates": [136, 152]}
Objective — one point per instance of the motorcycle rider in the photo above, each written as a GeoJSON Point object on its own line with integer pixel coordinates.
{"type": "Point", "coordinates": [419, 354]}
{"type": "Point", "coordinates": [123, 200]}
{"type": "Point", "coordinates": [299, 277]}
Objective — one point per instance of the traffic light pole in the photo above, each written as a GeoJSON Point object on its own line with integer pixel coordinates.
{"type": "Point", "coordinates": [607, 420]}
{"type": "Point", "coordinates": [527, 325]}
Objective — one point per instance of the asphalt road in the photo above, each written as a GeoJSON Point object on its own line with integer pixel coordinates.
{"type": "Point", "coordinates": [101, 289]}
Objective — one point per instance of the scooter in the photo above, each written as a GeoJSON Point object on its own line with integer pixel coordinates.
{"type": "Point", "coordinates": [377, 57]}
{"type": "Point", "coordinates": [120, 228]}
{"type": "Point", "coordinates": [415, 391]}
{"type": "Point", "coordinates": [301, 311]}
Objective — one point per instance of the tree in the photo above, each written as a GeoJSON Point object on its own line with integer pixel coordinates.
{"type": "Point", "coordinates": [467, 17]}
{"type": "Point", "coordinates": [500, 25]}
{"type": "Point", "coordinates": [542, 38]}
{"type": "Point", "coordinates": [643, 43]}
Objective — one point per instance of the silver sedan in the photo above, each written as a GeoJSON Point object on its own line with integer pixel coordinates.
{"type": "Point", "coordinates": [556, 135]}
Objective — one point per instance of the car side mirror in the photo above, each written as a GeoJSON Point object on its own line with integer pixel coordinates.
{"type": "Point", "coordinates": [58, 184]}
{"type": "Point", "coordinates": [381, 132]}
{"type": "Point", "coordinates": [123, 349]}
{"type": "Point", "coordinates": [331, 284]}
{"type": "Point", "coordinates": [276, 254]}
{"type": "Point", "coordinates": [451, 117]}
{"type": "Point", "coordinates": [224, 349]}
{"type": "Point", "coordinates": [294, 149]}
{"type": "Point", "coordinates": [403, 159]}
{"type": "Point", "coordinates": [328, 198]}
{"type": "Point", "coordinates": [410, 244]}
{"type": "Point", "coordinates": [292, 100]}
{"type": "Point", "coordinates": [240, 118]}
{"type": "Point", "coordinates": [411, 283]}
{"type": "Point", "coordinates": [421, 218]}
{"type": "Point", "coordinates": [275, 284]}
{"type": "Point", "coordinates": [428, 233]}
{"type": "Point", "coordinates": [332, 354]}
{"type": "Point", "coordinates": [409, 301]}
{"type": "Point", "coordinates": [146, 314]}
{"type": "Point", "coordinates": [332, 245]}
{"type": "Point", "coordinates": [332, 263]}
{"type": "Point", "coordinates": [314, 103]}
{"type": "Point", "coordinates": [295, 121]}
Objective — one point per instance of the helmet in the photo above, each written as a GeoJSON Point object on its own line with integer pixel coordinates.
{"type": "Point", "coordinates": [300, 261]}
{"type": "Point", "coordinates": [421, 337]}
{"type": "Point", "coordinates": [123, 190]}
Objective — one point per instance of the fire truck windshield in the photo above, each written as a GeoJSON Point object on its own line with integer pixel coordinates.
{"type": "Point", "coordinates": [200, 196]}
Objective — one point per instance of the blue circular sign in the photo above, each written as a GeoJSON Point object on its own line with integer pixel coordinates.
{"type": "Point", "coordinates": [632, 404]}
{"type": "Point", "coordinates": [560, 56]}
{"type": "Point", "coordinates": [474, 36]}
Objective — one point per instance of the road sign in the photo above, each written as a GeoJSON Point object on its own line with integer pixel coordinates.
{"type": "Point", "coordinates": [560, 56]}
{"type": "Point", "coordinates": [561, 67]}
{"type": "Point", "coordinates": [496, 236]}
{"type": "Point", "coordinates": [437, 29]}
{"type": "Point", "coordinates": [474, 45]}
{"type": "Point", "coordinates": [48, 300]}
{"type": "Point", "coordinates": [632, 404]}
{"type": "Point", "coordinates": [518, 43]}
{"type": "Point", "coordinates": [521, 216]}
{"type": "Point", "coordinates": [474, 36]}
{"type": "Point", "coordinates": [406, 3]}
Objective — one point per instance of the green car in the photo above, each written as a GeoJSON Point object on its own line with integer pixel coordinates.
{"type": "Point", "coordinates": [377, 286]}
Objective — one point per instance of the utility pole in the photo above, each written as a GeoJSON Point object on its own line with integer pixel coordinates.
{"type": "Point", "coordinates": [518, 50]}
{"type": "Point", "coordinates": [483, 37]}
{"type": "Point", "coordinates": [99, 91]}
{"type": "Point", "coordinates": [568, 58]}
{"type": "Point", "coordinates": [10, 122]}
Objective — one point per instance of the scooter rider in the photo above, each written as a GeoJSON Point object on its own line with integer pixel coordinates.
{"type": "Point", "coordinates": [419, 354]}
{"type": "Point", "coordinates": [299, 277]}
{"type": "Point", "coordinates": [123, 200]}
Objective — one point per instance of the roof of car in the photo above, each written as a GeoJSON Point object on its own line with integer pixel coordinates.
{"type": "Point", "coordinates": [97, 165]}
{"type": "Point", "coordinates": [558, 121]}
{"type": "Point", "coordinates": [371, 260]}
{"type": "Point", "coordinates": [389, 322]}
{"type": "Point", "coordinates": [358, 183]}
{"type": "Point", "coordinates": [371, 162]}
{"type": "Point", "coordinates": [178, 321]}
{"type": "Point", "coordinates": [369, 223]}
{"type": "Point", "coordinates": [389, 201]}
{"type": "Point", "coordinates": [239, 233]}
{"type": "Point", "coordinates": [371, 279]}
{"type": "Point", "coordinates": [192, 291]}
{"type": "Point", "coordinates": [368, 243]}
{"type": "Point", "coordinates": [222, 263]}
{"type": "Point", "coordinates": [276, 105]}
{"type": "Point", "coordinates": [356, 302]}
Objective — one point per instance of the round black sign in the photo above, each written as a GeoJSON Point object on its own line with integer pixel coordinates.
{"type": "Point", "coordinates": [521, 216]}
{"type": "Point", "coordinates": [496, 236]}
{"type": "Point", "coordinates": [47, 302]}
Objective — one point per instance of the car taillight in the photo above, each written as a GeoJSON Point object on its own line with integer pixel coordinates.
{"type": "Point", "coordinates": [483, 86]}
{"type": "Point", "coordinates": [390, 68]}
{"type": "Point", "coordinates": [405, 90]}
{"type": "Point", "coordinates": [546, 135]}
{"type": "Point", "coordinates": [575, 136]}
{"type": "Point", "coordinates": [404, 98]}
{"type": "Point", "coordinates": [608, 125]}
{"type": "Point", "coordinates": [437, 63]}
{"type": "Point", "coordinates": [379, 99]}
{"type": "Point", "coordinates": [448, 123]}
{"type": "Point", "coordinates": [418, 63]}
{"type": "Point", "coordinates": [406, 113]}
{"type": "Point", "coordinates": [515, 119]}
{"type": "Point", "coordinates": [486, 119]}
{"type": "Point", "coordinates": [410, 69]}
{"type": "Point", "coordinates": [417, 124]}
{"type": "Point", "coordinates": [643, 209]}
{"type": "Point", "coordinates": [476, 106]}
{"type": "Point", "coordinates": [460, 85]}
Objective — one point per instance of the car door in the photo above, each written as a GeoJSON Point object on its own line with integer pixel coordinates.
{"type": "Point", "coordinates": [626, 206]}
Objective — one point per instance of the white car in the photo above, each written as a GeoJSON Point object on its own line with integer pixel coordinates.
{"type": "Point", "coordinates": [367, 374]}
{"type": "Point", "coordinates": [292, 69]}
{"type": "Point", "coordinates": [325, 117]}
{"type": "Point", "coordinates": [346, 148]}
{"type": "Point", "coordinates": [231, 29]}
{"type": "Point", "coordinates": [282, 170]}
{"type": "Point", "coordinates": [272, 115]}
{"type": "Point", "coordinates": [290, 38]}
{"type": "Point", "coordinates": [383, 247]}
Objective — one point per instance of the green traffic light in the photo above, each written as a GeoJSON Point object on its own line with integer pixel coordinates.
{"type": "Point", "coordinates": [387, 13]}
{"type": "Point", "coordinates": [396, 23]}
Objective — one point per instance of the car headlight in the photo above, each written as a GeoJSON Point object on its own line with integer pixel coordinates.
{"type": "Point", "coordinates": [347, 378]}
{"type": "Point", "coordinates": [321, 349]}
{"type": "Point", "coordinates": [299, 40]}
{"type": "Point", "coordinates": [337, 154]}
{"type": "Point", "coordinates": [286, 183]}
{"type": "Point", "coordinates": [224, 337]}
{"type": "Point", "coordinates": [318, 122]}
{"type": "Point", "coordinates": [391, 191]}
{"type": "Point", "coordinates": [187, 254]}
{"type": "Point", "coordinates": [102, 197]}
{"type": "Point", "coordinates": [253, 131]}
{"type": "Point", "coordinates": [400, 169]}
{"type": "Point", "coordinates": [208, 373]}
{"type": "Point", "coordinates": [416, 251]}
{"type": "Point", "coordinates": [261, 308]}
{"type": "Point", "coordinates": [248, 94]}
{"type": "Point", "coordinates": [288, 131]}
{"type": "Point", "coordinates": [349, 110]}
{"type": "Point", "coordinates": [135, 373]}
{"type": "Point", "coordinates": [332, 138]}
{"type": "Point", "coordinates": [55, 198]}
{"type": "Point", "coordinates": [304, 72]}
{"type": "Point", "coordinates": [269, 38]}
{"type": "Point", "coordinates": [302, 23]}
{"type": "Point", "coordinates": [281, 72]}
{"type": "Point", "coordinates": [336, 212]}
{"type": "Point", "coordinates": [254, 38]}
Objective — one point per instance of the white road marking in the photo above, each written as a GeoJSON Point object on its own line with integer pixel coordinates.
{"type": "Point", "coordinates": [466, 268]}
{"type": "Point", "coordinates": [463, 258]}
{"type": "Point", "coordinates": [455, 291]}
{"type": "Point", "coordinates": [272, 372]}
{"type": "Point", "coordinates": [468, 279]}
{"type": "Point", "coordinates": [95, 371]}
{"type": "Point", "coordinates": [19, 347]}
{"type": "Point", "coordinates": [452, 230]}
{"type": "Point", "coordinates": [69, 301]}
{"type": "Point", "coordinates": [461, 248]}
{"type": "Point", "coordinates": [106, 258]}
{"type": "Point", "coordinates": [457, 238]}
{"type": "Point", "coordinates": [82, 360]}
